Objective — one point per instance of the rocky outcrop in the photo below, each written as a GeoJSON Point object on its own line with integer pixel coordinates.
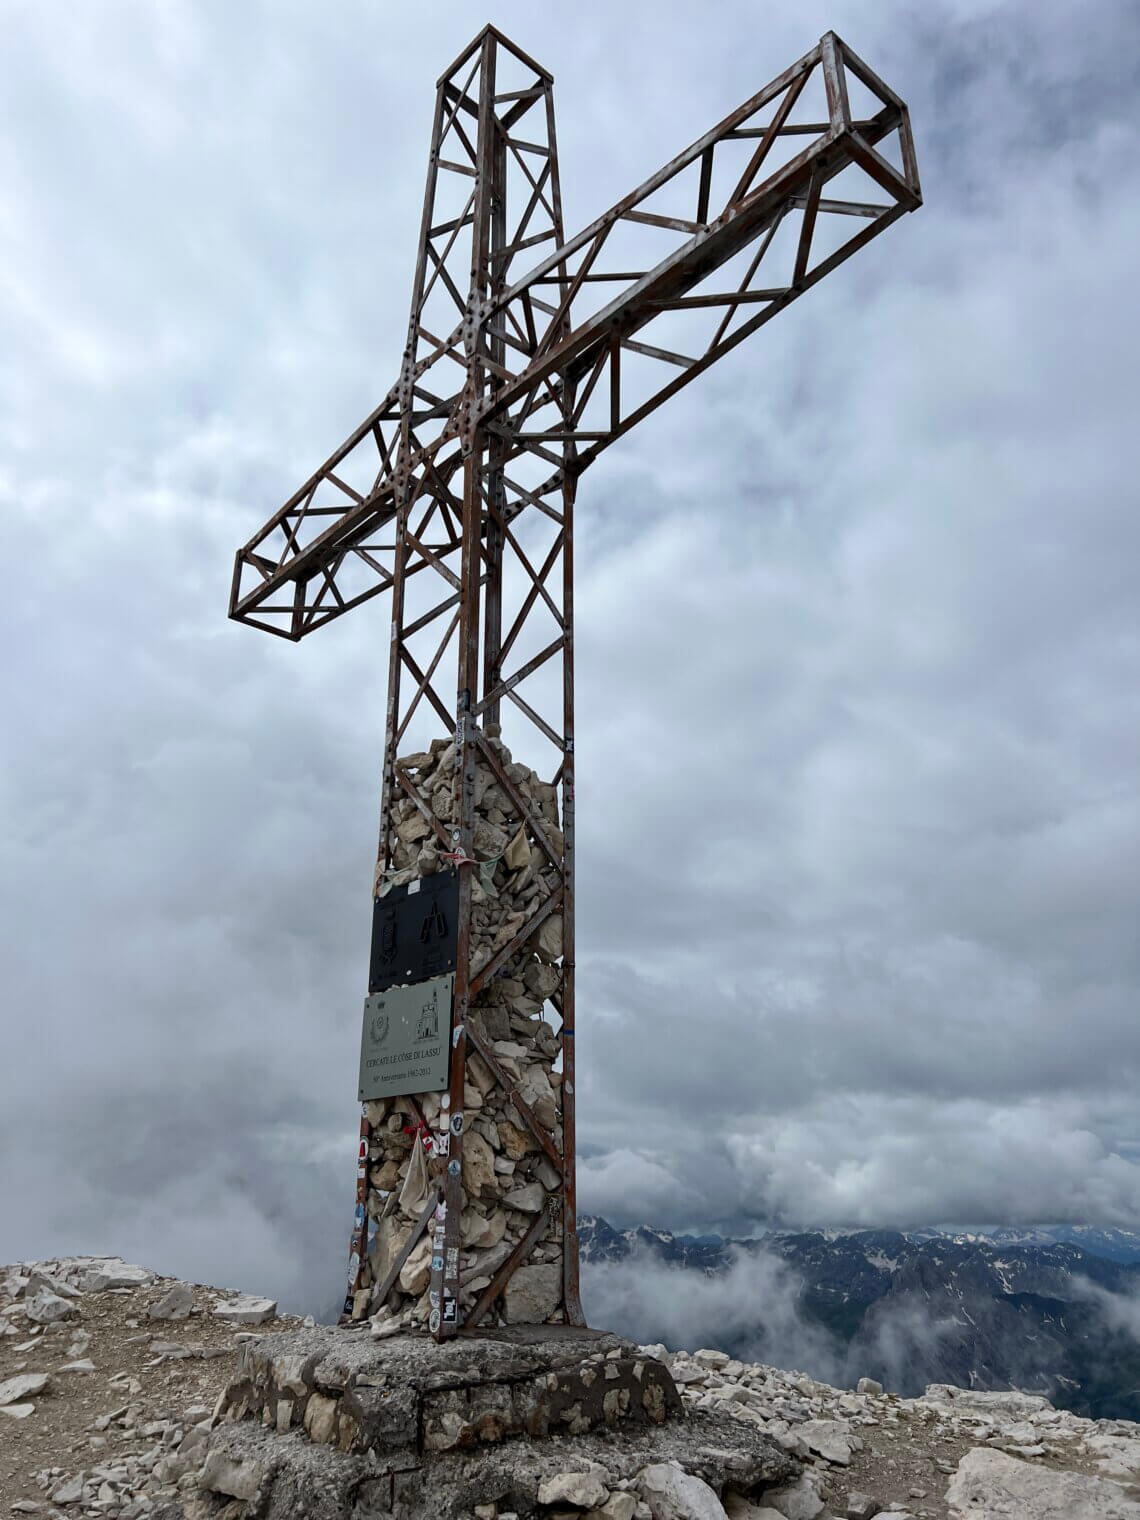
{"type": "Point", "coordinates": [105, 1405]}
{"type": "Point", "coordinates": [205, 1419]}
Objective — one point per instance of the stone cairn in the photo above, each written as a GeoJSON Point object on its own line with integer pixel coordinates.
{"type": "Point", "coordinates": [507, 1177]}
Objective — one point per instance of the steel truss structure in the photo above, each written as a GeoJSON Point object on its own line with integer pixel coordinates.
{"type": "Point", "coordinates": [456, 495]}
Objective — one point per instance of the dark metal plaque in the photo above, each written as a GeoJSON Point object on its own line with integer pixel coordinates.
{"type": "Point", "coordinates": [405, 1045]}
{"type": "Point", "coordinates": [415, 932]}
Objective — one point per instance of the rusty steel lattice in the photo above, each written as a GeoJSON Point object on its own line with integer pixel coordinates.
{"type": "Point", "coordinates": [457, 493]}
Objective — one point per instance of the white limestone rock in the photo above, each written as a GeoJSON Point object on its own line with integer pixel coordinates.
{"type": "Point", "coordinates": [478, 1166]}
{"type": "Point", "coordinates": [529, 1199]}
{"type": "Point", "coordinates": [47, 1308]}
{"type": "Point", "coordinates": [673, 1494]}
{"type": "Point", "coordinates": [861, 1506]}
{"type": "Point", "coordinates": [833, 1440]}
{"type": "Point", "coordinates": [69, 1492]}
{"type": "Point", "coordinates": [113, 1272]}
{"type": "Point", "coordinates": [175, 1303]}
{"type": "Point", "coordinates": [1009, 1406]}
{"type": "Point", "coordinates": [222, 1474]}
{"type": "Point", "coordinates": [1117, 1456]}
{"type": "Point", "coordinates": [989, 1485]}
{"type": "Point", "coordinates": [27, 1385]}
{"type": "Point", "coordinates": [246, 1309]}
{"type": "Point", "coordinates": [621, 1505]}
{"type": "Point", "coordinates": [39, 1280]}
{"type": "Point", "coordinates": [796, 1501]}
{"type": "Point", "coordinates": [533, 1294]}
{"type": "Point", "coordinates": [415, 1274]}
{"type": "Point", "coordinates": [584, 1490]}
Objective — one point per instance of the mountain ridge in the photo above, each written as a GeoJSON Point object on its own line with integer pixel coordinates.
{"type": "Point", "coordinates": [977, 1311]}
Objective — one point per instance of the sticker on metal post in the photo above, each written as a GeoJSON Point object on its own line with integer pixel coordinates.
{"type": "Point", "coordinates": [453, 1168]}
{"type": "Point", "coordinates": [433, 1321]}
{"type": "Point", "coordinates": [457, 1124]}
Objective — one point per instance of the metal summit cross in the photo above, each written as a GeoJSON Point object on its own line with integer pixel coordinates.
{"type": "Point", "coordinates": [457, 496]}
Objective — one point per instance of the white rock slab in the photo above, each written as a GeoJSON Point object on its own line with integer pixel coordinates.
{"type": "Point", "coordinates": [246, 1310]}
{"type": "Point", "coordinates": [989, 1485]}
{"type": "Point", "coordinates": [175, 1303]}
{"type": "Point", "coordinates": [70, 1491]}
{"type": "Point", "coordinates": [17, 1411]}
{"type": "Point", "coordinates": [833, 1440]}
{"type": "Point", "coordinates": [16, 1389]}
{"type": "Point", "coordinates": [115, 1273]}
{"type": "Point", "coordinates": [999, 1407]}
{"type": "Point", "coordinates": [1116, 1456]}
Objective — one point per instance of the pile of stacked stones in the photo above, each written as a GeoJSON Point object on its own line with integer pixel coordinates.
{"type": "Point", "coordinates": [507, 1178]}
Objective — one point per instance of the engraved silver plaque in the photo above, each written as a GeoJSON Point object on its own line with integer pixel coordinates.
{"type": "Point", "coordinates": [405, 1045]}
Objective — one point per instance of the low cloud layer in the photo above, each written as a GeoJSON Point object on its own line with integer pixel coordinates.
{"type": "Point", "coordinates": [857, 641]}
{"type": "Point", "coordinates": [750, 1310]}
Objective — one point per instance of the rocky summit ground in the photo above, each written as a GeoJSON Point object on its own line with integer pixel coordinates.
{"type": "Point", "coordinates": [112, 1381]}
{"type": "Point", "coordinates": [104, 1370]}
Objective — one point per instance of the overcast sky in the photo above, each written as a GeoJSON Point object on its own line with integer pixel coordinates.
{"type": "Point", "coordinates": [857, 637]}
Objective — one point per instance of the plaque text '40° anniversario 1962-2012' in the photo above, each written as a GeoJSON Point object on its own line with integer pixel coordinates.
{"type": "Point", "coordinates": [406, 1040]}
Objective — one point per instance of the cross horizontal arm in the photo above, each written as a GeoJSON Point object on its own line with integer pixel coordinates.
{"type": "Point", "coordinates": [603, 329]}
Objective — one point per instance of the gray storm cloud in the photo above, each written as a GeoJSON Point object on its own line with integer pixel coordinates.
{"type": "Point", "coordinates": [857, 640]}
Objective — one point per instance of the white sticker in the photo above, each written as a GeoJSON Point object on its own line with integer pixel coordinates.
{"type": "Point", "coordinates": [413, 886]}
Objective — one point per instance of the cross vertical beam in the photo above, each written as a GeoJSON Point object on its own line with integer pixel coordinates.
{"type": "Point", "coordinates": [484, 596]}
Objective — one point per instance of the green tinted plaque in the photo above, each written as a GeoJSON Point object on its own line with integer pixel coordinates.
{"type": "Point", "coordinates": [406, 1041]}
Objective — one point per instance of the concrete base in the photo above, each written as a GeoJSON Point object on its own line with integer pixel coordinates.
{"type": "Point", "coordinates": [408, 1394]}
{"type": "Point", "coordinates": [330, 1423]}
